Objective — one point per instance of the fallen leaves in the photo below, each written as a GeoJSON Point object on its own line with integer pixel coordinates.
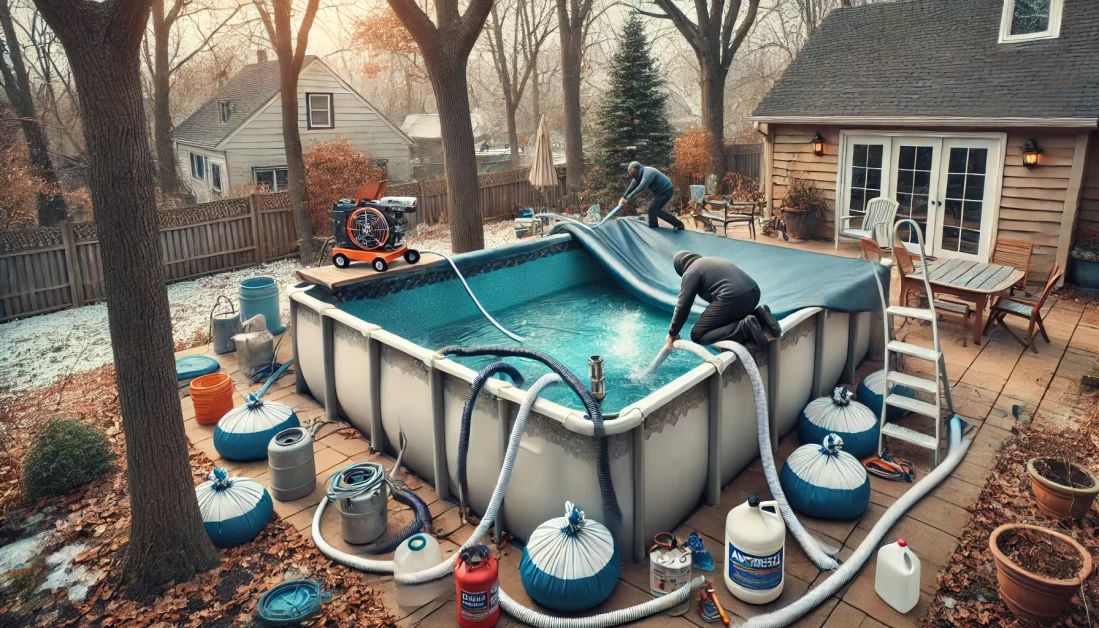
{"type": "Point", "coordinates": [98, 515]}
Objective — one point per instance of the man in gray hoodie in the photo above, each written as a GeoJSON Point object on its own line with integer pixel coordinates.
{"type": "Point", "coordinates": [733, 297]}
{"type": "Point", "coordinates": [648, 178]}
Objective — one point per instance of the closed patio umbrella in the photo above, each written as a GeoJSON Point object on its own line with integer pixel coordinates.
{"type": "Point", "coordinates": [542, 173]}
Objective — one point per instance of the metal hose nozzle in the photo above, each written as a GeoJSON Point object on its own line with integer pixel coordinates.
{"type": "Point", "coordinates": [595, 371]}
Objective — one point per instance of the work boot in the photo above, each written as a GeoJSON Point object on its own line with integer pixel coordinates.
{"type": "Point", "coordinates": [763, 313]}
{"type": "Point", "coordinates": [755, 331]}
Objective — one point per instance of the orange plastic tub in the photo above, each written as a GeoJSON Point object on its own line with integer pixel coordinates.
{"type": "Point", "coordinates": [213, 396]}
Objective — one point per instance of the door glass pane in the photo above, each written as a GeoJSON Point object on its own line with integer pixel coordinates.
{"type": "Point", "coordinates": [965, 195]}
{"type": "Point", "coordinates": [914, 178]}
{"type": "Point", "coordinates": [866, 173]}
{"type": "Point", "coordinates": [1030, 16]}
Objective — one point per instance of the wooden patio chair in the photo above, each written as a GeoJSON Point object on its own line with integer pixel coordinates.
{"type": "Point", "coordinates": [1030, 309]}
{"type": "Point", "coordinates": [1014, 253]}
{"type": "Point", "coordinates": [906, 265]}
{"type": "Point", "coordinates": [877, 223]}
{"type": "Point", "coordinates": [870, 250]}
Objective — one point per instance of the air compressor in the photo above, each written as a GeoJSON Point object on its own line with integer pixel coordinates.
{"type": "Point", "coordinates": [371, 228]}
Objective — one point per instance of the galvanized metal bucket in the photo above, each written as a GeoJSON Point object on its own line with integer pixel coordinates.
{"type": "Point", "coordinates": [223, 326]}
{"type": "Point", "coordinates": [364, 518]}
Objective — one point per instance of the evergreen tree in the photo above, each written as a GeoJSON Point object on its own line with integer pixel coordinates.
{"type": "Point", "coordinates": [633, 121]}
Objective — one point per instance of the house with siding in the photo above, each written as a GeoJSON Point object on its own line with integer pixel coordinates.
{"type": "Point", "coordinates": [236, 137]}
{"type": "Point", "coordinates": [935, 103]}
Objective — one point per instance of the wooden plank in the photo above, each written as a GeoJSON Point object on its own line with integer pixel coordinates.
{"type": "Point", "coordinates": [996, 282]}
{"type": "Point", "coordinates": [942, 268]}
{"type": "Point", "coordinates": [987, 271]}
{"type": "Point", "coordinates": [1034, 193]}
{"type": "Point", "coordinates": [26, 252]}
{"type": "Point", "coordinates": [1034, 182]}
{"type": "Point", "coordinates": [970, 275]}
{"type": "Point", "coordinates": [76, 288]}
{"type": "Point", "coordinates": [959, 269]}
{"type": "Point", "coordinates": [208, 223]}
{"type": "Point", "coordinates": [1007, 214]}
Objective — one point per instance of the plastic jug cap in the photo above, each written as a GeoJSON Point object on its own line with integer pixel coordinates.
{"type": "Point", "coordinates": [753, 500]}
{"type": "Point", "coordinates": [901, 543]}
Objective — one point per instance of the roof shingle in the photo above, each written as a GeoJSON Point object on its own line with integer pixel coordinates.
{"type": "Point", "coordinates": [941, 58]}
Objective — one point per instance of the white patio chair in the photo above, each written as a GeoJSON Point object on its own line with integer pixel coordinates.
{"type": "Point", "coordinates": [877, 223]}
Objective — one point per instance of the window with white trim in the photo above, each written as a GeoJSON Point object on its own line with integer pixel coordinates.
{"type": "Point", "coordinates": [198, 166]}
{"type": "Point", "coordinates": [276, 179]}
{"type": "Point", "coordinates": [319, 111]}
{"type": "Point", "coordinates": [1027, 20]}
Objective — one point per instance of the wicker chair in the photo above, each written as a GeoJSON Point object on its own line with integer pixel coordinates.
{"type": "Point", "coordinates": [1014, 253]}
{"type": "Point", "coordinates": [1030, 309]}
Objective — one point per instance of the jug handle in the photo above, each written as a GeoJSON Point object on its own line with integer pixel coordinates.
{"type": "Point", "coordinates": [773, 504]}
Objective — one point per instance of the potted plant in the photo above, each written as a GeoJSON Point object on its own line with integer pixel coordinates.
{"type": "Point", "coordinates": [801, 207]}
{"type": "Point", "coordinates": [1084, 269]}
{"type": "Point", "coordinates": [1062, 489]}
{"type": "Point", "coordinates": [1038, 570]}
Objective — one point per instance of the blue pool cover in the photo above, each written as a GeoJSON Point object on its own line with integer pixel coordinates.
{"type": "Point", "coordinates": [640, 259]}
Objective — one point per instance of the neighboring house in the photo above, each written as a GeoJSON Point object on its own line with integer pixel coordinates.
{"type": "Point", "coordinates": [426, 131]}
{"type": "Point", "coordinates": [931, 102]}
{"type": "Point", "coordinates": [236, 137]}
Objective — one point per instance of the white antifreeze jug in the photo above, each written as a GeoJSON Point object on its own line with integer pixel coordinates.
{"type": "Point", "coordinates": [897, 580]}
{"type": "Point", "coordinates": [416, 554]}
{"type": "Point", "coordinates": [755, 540]}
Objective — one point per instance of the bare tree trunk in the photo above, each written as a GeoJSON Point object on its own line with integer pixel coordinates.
{"type": "Point", "coordinates": [513, 134]}
{"type": "Point", "coordinates": [167, 539]}
{"type": "Point", "coordinates": [167, 174]}
{"type": "Point", "coordinates": [295, 161]}
{"type": "Point", "coordinates": [459, 160]}
{"type": "Point", "coordinates": [570, 82]}
{"type": "Point", "coordinates": [17, 87]}
{"type": "Point", "coordinates": [713, 111]}
{"type": "Point", "coordinates": [536, 93]}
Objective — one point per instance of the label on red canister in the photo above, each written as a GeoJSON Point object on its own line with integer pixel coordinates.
{"type": "Point", "coordinates": [480, 605]}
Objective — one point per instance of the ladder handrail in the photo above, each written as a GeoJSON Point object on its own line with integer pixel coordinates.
{"type": "Point", "coordinates": [926, 284]}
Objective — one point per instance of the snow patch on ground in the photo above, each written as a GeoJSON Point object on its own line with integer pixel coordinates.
{"type": "Point", "coordinates": [18, 555]}
{"type": "Point", "coordinates": [39, 350]}
{"type": "Point", "coordinates": [77, 581]}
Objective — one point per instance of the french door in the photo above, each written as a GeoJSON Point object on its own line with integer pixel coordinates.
{"type": "Point", "coordinates": [946, 184]}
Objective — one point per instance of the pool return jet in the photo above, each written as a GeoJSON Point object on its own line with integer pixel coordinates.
{"type": "Point", "coordinates": [611, 512]}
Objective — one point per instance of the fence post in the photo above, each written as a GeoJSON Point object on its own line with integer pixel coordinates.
{"type": "Point", "coordinates": [257, 229]}
{"type": "Point", "coordinates": [72, 264]}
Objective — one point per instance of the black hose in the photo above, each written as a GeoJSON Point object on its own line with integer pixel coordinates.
{"type": "Point", "coordinates": [612, 514]}
{"type": "Point", "coordinates": [421, 520]}
{"type": "Point", "coordinates": [467, 418]}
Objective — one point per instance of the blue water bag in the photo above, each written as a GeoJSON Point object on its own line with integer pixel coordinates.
{"type": "Point", "coordinates": [869, 394]}
{"type": "Point", "coordinates": [244, 433]}
{"type": "Point", "coordinates": [825, 482]}
{"type": "Point", "coordinates": [570, 564]}
{"type": "Point", "coordinates": [234, 510]}
{"type": "Point", "coordinates": [853, 422]}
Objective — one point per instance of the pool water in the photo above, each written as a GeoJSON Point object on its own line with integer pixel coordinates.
{"type": "Point", "coordinates": [594, 318]}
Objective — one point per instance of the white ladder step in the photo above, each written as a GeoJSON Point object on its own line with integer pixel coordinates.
{"type": "Point", "coordinates": [915, 351]}
{"type": "Point", "coordinates": [918, 383]}
{"type": "Point", "coordinates": [913, 405]}
{"type": "Point", "coordinates": [909, 435]}
{"type": "Point", "coordinates": [920, 313]}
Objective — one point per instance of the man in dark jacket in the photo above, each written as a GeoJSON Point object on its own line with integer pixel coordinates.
{"type": "Point", "coordinates": [733, 297]}
{"type": "Point", "coordinates": [648, 178]}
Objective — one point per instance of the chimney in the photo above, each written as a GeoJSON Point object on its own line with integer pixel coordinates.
{"type": "Point", "coordinates": [261, 56]}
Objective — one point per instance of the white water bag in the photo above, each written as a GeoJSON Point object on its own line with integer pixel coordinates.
{"type": "Point", "coordinates": [570, 563]}
{"type": "Point", "coordinates": [826, 482]}
{"type": "Point", "coordinates": [234, 510]}
{"type": "Point", "coordinates": [839, 414]}
{"type": "Point", "coordinates": [870, 394]}
{"type": "Point", "coordinates": [244, 433]}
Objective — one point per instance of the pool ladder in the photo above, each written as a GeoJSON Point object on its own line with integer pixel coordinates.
{"type": "Point", "coordinates": [939, 386]}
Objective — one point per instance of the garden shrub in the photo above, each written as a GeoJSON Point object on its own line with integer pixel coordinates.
{"type": "Point", "coordinates": [334, 170]}
{"type": "Point", "coordinates": [67, 454]}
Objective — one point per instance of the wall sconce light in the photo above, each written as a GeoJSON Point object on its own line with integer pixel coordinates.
{"type": "Point", "coordinates": [818, 145]}
{"type": "Point", "coordinates": [1031, 151]}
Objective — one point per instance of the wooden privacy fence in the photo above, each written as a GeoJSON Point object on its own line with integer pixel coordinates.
{"type": "Point", "coordinates": [501, 194]}
{"type": "Point", "coordinates": [744, 159]}
{"type": "Point", "coordinates": [42, 270]}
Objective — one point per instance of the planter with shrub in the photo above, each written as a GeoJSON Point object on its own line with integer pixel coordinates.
{"type": "Point", "coordinates": [1084, 266]}
{"type": "Point", "coordinates": [802, 205]}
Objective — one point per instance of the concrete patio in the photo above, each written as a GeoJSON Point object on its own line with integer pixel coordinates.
{"type": "Point", "coordinates": [988, 381]}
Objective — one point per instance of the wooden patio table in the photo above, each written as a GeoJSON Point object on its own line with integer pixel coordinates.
{"type": "Point", "coordinates": [972, 281]}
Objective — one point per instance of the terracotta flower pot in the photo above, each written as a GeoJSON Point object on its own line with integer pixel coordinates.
{"type": "Point", "coordinates": [1058, 500]}
{"type": "Point", "coordinates": [1028, 595]}
{"type": "Point", "coordinates": [799, 224]}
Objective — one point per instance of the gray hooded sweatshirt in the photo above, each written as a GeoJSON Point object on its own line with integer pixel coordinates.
{"type": "Point", "coordinates": [711, 278]}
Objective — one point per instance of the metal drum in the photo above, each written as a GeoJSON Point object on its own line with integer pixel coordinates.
{"type": "Point", "coordinates": [290, 457]}
{"type": "Point", "coordinates": [363, 518]}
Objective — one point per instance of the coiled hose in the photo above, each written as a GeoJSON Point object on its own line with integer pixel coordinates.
{"type": "Point", "coordinates": [467, 417]}
{"type": "Point", "coordinates": [363, 477]}
{"type": "Point", "coordinates": [612, 514]}
{"type": "Point", "coordinates": [469, 291]}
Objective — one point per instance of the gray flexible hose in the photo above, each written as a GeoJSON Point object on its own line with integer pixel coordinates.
{"type": "Point", "coordinates": [770, 469]}
{"type": "Point", "coordinates": [532, 617]}
{"type": "Point", "coordinates": [469, 291]}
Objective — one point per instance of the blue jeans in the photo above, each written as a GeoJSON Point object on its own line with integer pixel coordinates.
{"type": "Point", "coordinates": [656, 210]}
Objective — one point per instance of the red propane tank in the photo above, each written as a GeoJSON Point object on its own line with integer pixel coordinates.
{"type": "Point", "coordinates": [477, 578]}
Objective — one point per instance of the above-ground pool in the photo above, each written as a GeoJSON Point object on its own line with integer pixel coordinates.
{"type": "Point", "coordinates": [368, 353]}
